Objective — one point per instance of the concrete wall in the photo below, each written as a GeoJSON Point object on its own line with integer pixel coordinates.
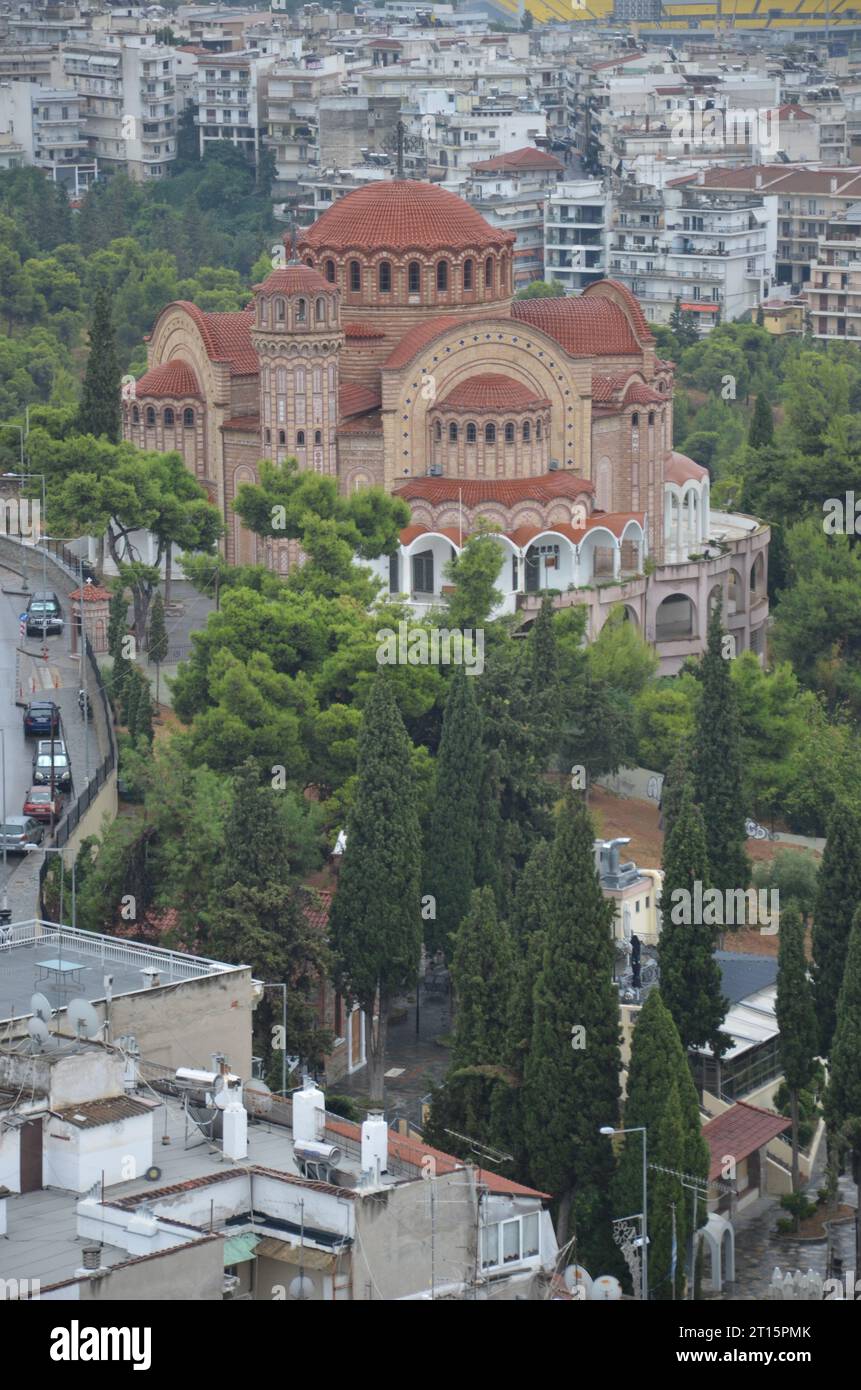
{"type": "Point", "coordinates": [75, 1158]}
{"type": "Point", "coordinates": [92, 822]}
{"type": "Point", "coordinates": [401, 1230]}
{"type": "Point", "coordinates": [187, 1273]}
{"type": "Point", "coordinates": [182, 1024]}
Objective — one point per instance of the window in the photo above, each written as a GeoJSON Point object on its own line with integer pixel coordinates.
{"type": "Point", "coordinates": [384, 277]}
{"type": "Point", "coordinates": [442, 275]}
{"type": "Point", "coordinates": [264, 312]}
{"type": "Point", "coordinates": [318, 436]}
{"type": "Point", "coordinates": [355, 277]}
{"type": "Point", "coordinates": [529, 1231]}
{"type": "Point", "coordinates": [470, 434]}
{"type": "Point", "coordinates": [488, 273]}
{"type": "Point", "coordinates": [320, 311]}
{"type": "Point", "coordinates": [301, 310]}
{"type": "Point", "coordinates": [188, 418]}
{"type": "Point", "coordinates": [437, 432]}
{"type": "Point", "coordinates": [635, 421]}
{"type": "Point", "coordinates": [510, 1241]}
{"type": "Point", "coordinates": [330, 272]}
{"type": "Point", "coordinates": [490, 434]}
{"type": "Point", "coordinates": [509, 434]}
{"type": "Point", "coordinates": [414, 275]}
{"type": "Point", "coordinates": [468, 273]}
{"type": "Point", "coordinates": [150, 415]}
{"type": "Point", "coordinates": [423, 572]}
{"type": "Point", "coordinates": [169, 417]}
{"type": "Point", "coordinates": [527, 432]}
{"type": "Point", "coordinates": [452, 434]}
{"type": "Point", "coordinates": [280, 312]}
{"type": "Point", "coordinates": [282, 437]}
{"type": "Point", "coordinates": [537, 429]}
{"type": "Point", "coordinates": [300, 439]}
{"type": "Point", "coordinates": [651, 417]}
{"type": "Point", "coordinates": [136, 415]}
{"type": "Point", "coordinates": [267, 436]}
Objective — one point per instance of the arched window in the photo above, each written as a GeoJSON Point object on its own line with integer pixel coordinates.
{"type": "Point", "coordinates": [537, 429]}
{"type": "Point", "coordinates": [355, 277]}
{"type": "Point", "coordinates": [452, 434]}
{"type": "Point", "coordinates": [330, 272]}
{"type": "Point", "coordinates": [136, 415]}
{"type": "Point", "coordinates": [437, 432]}
{"type": "Point", "coordinates": [300, 439]}
{"type": "Point", "coordinates": [150, 415]}
{"type": "Point", "coordinates": [320, 311]}
{"type": "Point", "coordinates": [490, 434]}
{"type": "Point", "coordinates": [509, 434]}
{"type": "Point", "coordinates": [169, 417]}
{"type": "Point", "coordinates": [282, 437]}
{"type": "Point", "coordinates": [384, 277]}
{"type": "Point", "coordinates": [471, 434]}
{"type": "Point", "coordinates": [309, 261]}
{"type": "Point", "coordinates": [414, 275]}
{"type": "Point", "coordinates": [188, 418]}
{"type": "Point", "coordinates": [264, 312]}
{"type": "Point", "coordinates": [635, 420]}
{"type": "Point", "coordinates": [318, 436]}
{"type": "Point", "coordinates": [527, 432]}
{"type": "Point", "coordinates": [280, 312]}
{"type": "Point", "coordinates": [301, 311]}
{"type": "Point", "coordinates": [267, 436]}
{"type": "Point", "coordinates": [488, 273]}
{"type": "Point", "coordinates": [468, 274]}
{"type": "Point", "coordinates": [442, 275]}
{"type": "Point", "coordinates": [651, 417]}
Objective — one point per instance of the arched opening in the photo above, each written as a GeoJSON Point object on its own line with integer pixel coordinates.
{"type": "Point", "coordinates": [150, 415]}
{"type": "Point", "coordinates": [280, 311]}
{"type": "Point", "coordinates": [537, 429]}
{"type": "Point", "coordinates": [757, 576]}
{"type": "Point", "coordinates": [490, 434]}
{"type": "Point", "coordinates": [318, 436]}
{"type": "Point", "coordinates": [282, 436]}
{"type": "Point", "coordinates": [309, 261]}
{"type": "Point", "coordinates": [267, 436]}
{"type": "Point", "coordinates": [527, 432]}
{"type": "Point", "coordinates": [355, 277]}
{"type": "Point", "coordinates": [384, 277]}
{"type": "Point", "coordinates": [169, 417]}
{"type": "Point", "coordinates": [437, 432]}
{"type": "Point", "coordinates": [136, 415]}
{"type": "Point", "coordinates": [468, 273]}
{"type": "Point", "coordinates": [330, 272]}
{"type": "Point", "coordinates": [264, 313]}
{"type": "Point", "coordinates": [442, 275]}
{"type": "Point", "coordinates": [488, 273]}
{"type": "Point", "coordinates": [188, 418]}
{"type": "Point", "coordinates": [320, 311]}
{"type": "Point", "coordinates": [471, 434]}
{"type": "Point", "coordinates": [452, 434]}
{"type": "Point", "coordinates": [414, 277]}
{"type": "Point", "coordinates": [676, 619]}
{"type": "Point", "coordinates": [735, 593]}
{"type": "Point", "coordinates": [509, 433]}
{"type": "Point", "coordinates": [301, 311]}
{"type": "Point", "coordinates": [715, 596]}
{"type": "Point", "coordinates": [300, 439]}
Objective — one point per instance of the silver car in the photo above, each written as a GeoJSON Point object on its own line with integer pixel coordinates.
{"type": "Point", "coordinates": [20, 835]}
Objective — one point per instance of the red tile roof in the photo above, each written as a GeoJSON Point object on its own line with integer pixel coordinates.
{"type": "Point", "coordinates": [402, 215]}
{"type": "Point", "coordinates": [93, 1114]}
{"type": "Point", "coordinates": [354, 399]}
{"type": "Point", "coordinates": [739, 1132]}
{"type": "Point", "coordinates": [679, 469]}
{"type": "Point", "coordinates": [491, 391]}
{"type": "Point", "coordinates": [641, 394]}
{"type": "Point", "coordinates": [362, 330]}
{"type": "Point", "coordinates": [586, 325]}
{"type": "Point", "coordinates": [789, 111]}
{"type": "Point", "coordinates": [362, 424]}
{"type": "Point", "coordinates": [175, 379]}
{"type": "Point", "coordinates": [507, 491]}
{"type": "Point", "coordinates": [244, 423]}
{"type": "Point", "coordinates": [295, 279]}
{"type": "Point", "coordinates": [417, 338]}
{"type": "Point", "coordinates": [526, 158]}
{"type": "Point", "coordinates": [92, 593]}
{"type": "Point", "coordinates": [779, 178]}
{"type": "Point", "coordinates": [317, 906]}
{"type": "Point", "coordinates": [226, 337]}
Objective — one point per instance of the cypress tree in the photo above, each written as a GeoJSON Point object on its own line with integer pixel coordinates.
{"type": "Point", "coordinates": [545, 704]}
{"type": "Point", "coordinates": [157, 643]}
{"type": "Point", "coordinates": [376, 914]}
{"type": "Point", "coordinates": [571, 1076]}
{"type": "Point", "coordinates": [256, 844]}
{"type": "Point", "coordinates": [662, 1099]}
{"type": "Point", "coordinates": [490, 869]}
{"type": "Point", "coordinates": [690, 977]}
{"type": "Point", "coordinates": [843, 1096]}
{"type": "Point", "coordinates": [761, 431]}
{"type": "Point", "coordinates": [675, 780]}
{"type": "Point", "coordinates": [99, 410]}
{"type": "Point", "coordinates": [717, 767]}
{"type": "Point", "coordinates": [130, 699]}
{"type": "Point", "coordinates": [529, 908]}
{"type": "Point", "coordinates": [838, 894]}
{"type": "Point", "coordinates": [143, 711]}
{"type": "Point", "coordinates": [451, 845]}
{"type": "Point", "coordinates": [118, 609]}
{"type": "Point", "coordinates": [482, 974]}
{"type": "Point", "coordinates": [796, 1019]}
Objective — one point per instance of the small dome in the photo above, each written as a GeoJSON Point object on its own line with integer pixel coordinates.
{"type": "Point", "coordinates": [175, 379]}
{"type": "Point", "coordinates": [492, 392]}
{"type": "Point", "coordinates": [402, 215]}
{"type": "Point", "coordinates": [295, 279]}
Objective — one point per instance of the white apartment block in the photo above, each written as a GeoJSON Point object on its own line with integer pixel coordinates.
{"type": "Point", "coordinates": [834, 288]}
{"type": "Point", "coordinates": [47, 126]}
{"type": "Point", "coordinates": [292, 114]}
{"type": "Point", "coordinates": [129, 89]}
{"type": "Point", "coordinates": [228, 101]}
{"type": "Point", "coordinates": [576, 229]}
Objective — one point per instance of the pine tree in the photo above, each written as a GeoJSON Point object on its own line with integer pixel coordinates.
{"type": "Point", "coordinates": [450, 853]}
{"type": "Point", "coordinates": [256, 845]}
{"type": "Point", "coordinates": [143, 711]}
{"type": "Point", "coordinates": [482, 975]}
{"type": "Point", "coordinates": [796, 1019]}
{"type": "Point", "coordinates": [131, 698]}
{"type": "Point", "coordinates": [717, 767]}
{"type": "Point", "coordinates": [690, 976]}
{"type": "Point", "coordinates": [118, 610]}
{"type": "Point", "coordinates": [843, 1096]}
{"type": "Point", "coordinates": [571, 1076]}
{"type": "Point", "coordinates": [838, 895]}
{"type": "Point", "coordinates": [99, 410]}
{"type": "Point", "coordinates": [761, 432]}
{"type": "Point", "coordinates": [659, 1078]}
{"type": "Point", "coordinates": [675, 780]}
{"type": "Point", "coordinates": [157, 643]}
{"type": "Point", "coordinates": [376, 914]}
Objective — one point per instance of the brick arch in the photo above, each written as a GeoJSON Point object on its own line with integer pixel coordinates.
{"type": "Point", "coordinates": [244, 541]}
{"type": "Point", "coordinates": [527, 516]}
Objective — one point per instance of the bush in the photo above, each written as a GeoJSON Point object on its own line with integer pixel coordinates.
{"type": "Point", "coordinates": [793, 873]}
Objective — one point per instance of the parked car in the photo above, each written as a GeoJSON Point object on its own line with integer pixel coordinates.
{"type": "Point", "coordinates": [39, 804]}
{"type": "Point", "coordinates": [43, 776]}
{"type": "Point", "coordinates": [46, 745]}
{"type": "Point", "coordinates": [41, 717]}
{"type": "Point", "coordinates": [44, 614]}
{"type": "Point", "coordinates": [20, 834]}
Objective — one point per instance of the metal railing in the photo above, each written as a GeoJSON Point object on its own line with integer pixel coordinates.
{"type": "Point", "coordinates": [172, 965]}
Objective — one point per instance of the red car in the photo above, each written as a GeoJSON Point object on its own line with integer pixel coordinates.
{"type": "Point", "coordinates": [39, 805]}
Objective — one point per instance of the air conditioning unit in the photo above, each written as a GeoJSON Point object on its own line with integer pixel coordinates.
{"type": "Point", "coordinates": [435, 470]}
{"type": "Point", "coordinates": [554, 465]}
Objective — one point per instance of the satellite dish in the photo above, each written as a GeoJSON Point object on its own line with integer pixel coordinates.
{"type": "Point", "coordinates": [301, 1288]}
{"type": "Point", "coordinates": [576, 1279]}
{"type": "Point", "coordinates": [83, 1018]}
{"type": "Point", "coordinates": [41, 1007]}
{"type": "Point", "coordinates": [38, 1030]}
{"type": "Point", "coordinates": [606, 1289]}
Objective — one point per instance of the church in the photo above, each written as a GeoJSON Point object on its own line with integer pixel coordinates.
{"type": "Point", "coordinates": [389, 350]}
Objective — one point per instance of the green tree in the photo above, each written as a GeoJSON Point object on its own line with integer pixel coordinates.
{"type": "Point", "coordinates": [843, 1096]}
{"type": "Point", "coordinates": [451, 844]}
{"type": "Point", "coordinates": [673, 787]}
{"type": "Point", "coordinates": [571, 1075]}
{"type": "Point", "coordinates": [542, 289]}
{"type": "Point", "coordinates": [482, 977]}
{"type": "Point", "coordinates": [376, 921]}
{"type": "Point", "coordinates": [761, 431]}
{"type": "Point", "coordinates": [473, 574]}
{"type": "Point", "coordinates": [118, 609]}
{"type": "Point", "coordinates": [683, 325]}
{"type": "Point", "coordinates": [132, 689]}
{"type": "Point", "coordinates": [690, 976]}
{"type": "Point", "coordinates": [143, 711]}
{"type": "Point", "coordinates": [716, 764]}
{"type": "Point", "coordinates": [796, 1020]}
{"type": "Point", "coordinates": [837, 899]}
{"type": "Point", "coordinates": [157, 641]}
{"type": "Point", "coordinates": [99, 412]}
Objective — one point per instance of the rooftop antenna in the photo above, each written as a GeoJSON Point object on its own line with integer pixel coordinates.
{"type": "Point", "coordinates": [492, 1157]}
{"type": "Point", "coordinates": [400, 130]}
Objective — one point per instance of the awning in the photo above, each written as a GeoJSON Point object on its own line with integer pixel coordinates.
{"type": "Point", "coordinates": [702, 308]}
{"type": "Point", "coordinates": [238, 1249]}
{"type": "Point", "coordinates": [288, 1254]}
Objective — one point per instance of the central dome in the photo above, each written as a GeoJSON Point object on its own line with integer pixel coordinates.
{"type": "Point", "coordinates": [402, 215]}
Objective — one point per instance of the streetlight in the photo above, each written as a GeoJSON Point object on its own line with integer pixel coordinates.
{"type": "Point", "coordinates": [54, 849]}
{"type": "Point", "coordinates": [609, 1131]}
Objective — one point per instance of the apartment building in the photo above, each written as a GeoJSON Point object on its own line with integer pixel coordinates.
{"type": "Point", "coordinates": [351, 127]}
{"type": "Point", "coordinates": [48, 127]}
{"type": "Point", "coordinates": [510, 192]}
{"type": "Point", "coordinates": [492, 127]}
{"type": "Point", "coordinates": [294, 91]}
{"type": "Point", "coordinates": [834, 288]}
{"type": "Point", "coordinates": [128, 85]}
{"type": "Point", "coordinates": [229, 101]}
{"type": "Point", "coordinates": [576, 229]}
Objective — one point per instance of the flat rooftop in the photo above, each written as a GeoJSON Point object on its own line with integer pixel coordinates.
{"type": "Point", "coordinates": [65, 963]}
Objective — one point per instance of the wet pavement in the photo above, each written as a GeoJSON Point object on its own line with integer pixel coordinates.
{"type": "Point", "coordinates": [421, 1060]}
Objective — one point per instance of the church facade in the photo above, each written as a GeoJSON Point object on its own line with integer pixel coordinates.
{"type": "Point", "coordinates": [390, 351]}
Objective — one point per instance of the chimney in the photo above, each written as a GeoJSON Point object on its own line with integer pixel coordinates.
{"type": "Point", "coordinates": [234, 1128]}
{"type": "Point", "coordinates": [833, 185]}
{"type": "Point", "coordinates": [375, 1145]}
{"type": "Point", "coordinates": [309, 1112]}
{"type": "Point", "coordinates": [92, 1256]}
{"type": "Point", "coordinates": [759, 180]}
